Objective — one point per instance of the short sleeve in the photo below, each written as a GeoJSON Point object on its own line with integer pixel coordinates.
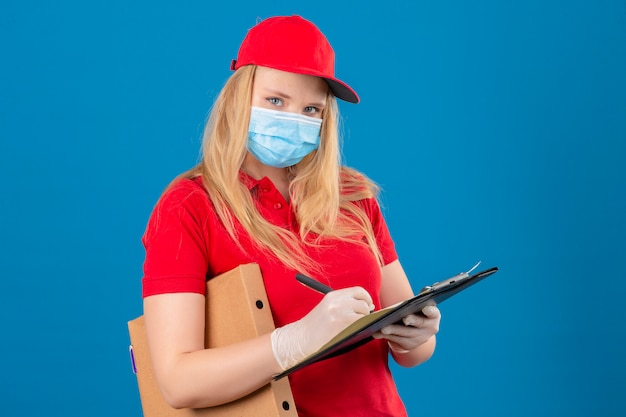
{"type": "Point", "coordinates": [385, 243]}
{"type": "Point", "coordinates": [175, 242]}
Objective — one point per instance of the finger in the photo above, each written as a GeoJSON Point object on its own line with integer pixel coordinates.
{"type": "Point", "coordinates": [360, 293]}
{"type": "Point", "coordinates": [405, 343]}
{"type": "Point", "coordinates": [359, 307]}
{"type": "Point", "coordinates": [348, 301]}
{"type": "Point", "coordinates": [400, 331]}
{"type": "Point", "coordinates": [431, 312]}
{"type": "Point", "coordinates": [414, 320]}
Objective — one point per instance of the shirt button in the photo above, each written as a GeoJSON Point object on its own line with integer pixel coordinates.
{"type": "Point", "coordinates": [278, 206]}
{"type": "Point", "coordinates": [265, 189]}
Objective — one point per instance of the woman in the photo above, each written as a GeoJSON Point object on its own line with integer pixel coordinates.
{"type": "Point", "coordinates": [271, 190]}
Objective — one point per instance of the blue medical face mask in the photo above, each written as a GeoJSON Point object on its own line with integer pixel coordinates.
{"type": "Point", "coordinates": [281, 139]}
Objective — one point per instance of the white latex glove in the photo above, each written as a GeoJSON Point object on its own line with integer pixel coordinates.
{"type": "Point", "coordinates": [417, 329]}
{"type": "Point", "coordinates": [337, 310]}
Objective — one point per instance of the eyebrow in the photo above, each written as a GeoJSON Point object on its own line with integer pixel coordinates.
{"type": "Point", "coordinates": [277, 92]}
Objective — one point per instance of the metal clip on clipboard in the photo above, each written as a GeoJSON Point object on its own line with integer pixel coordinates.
{"type": "Point", "coordinates": [442, 284]}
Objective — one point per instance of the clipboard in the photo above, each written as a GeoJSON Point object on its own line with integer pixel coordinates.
{"type": "Point", "coordinates": [361, 331]}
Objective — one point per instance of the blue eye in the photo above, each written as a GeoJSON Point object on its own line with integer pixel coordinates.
{"type": "Point", "coordinates": [311, 109]}
{"type": "Point", "coordinates": [275, 101]}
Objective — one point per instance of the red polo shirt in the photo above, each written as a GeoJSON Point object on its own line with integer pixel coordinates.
{"type": "Point", "coordinates": [186, 244]}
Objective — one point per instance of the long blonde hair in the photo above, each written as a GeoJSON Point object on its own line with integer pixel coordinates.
{"type": "Point", "coordinates": [322, 192]}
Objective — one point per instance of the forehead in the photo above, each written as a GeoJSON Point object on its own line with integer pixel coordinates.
{"type": "Point", "coordinates": [289, 82]}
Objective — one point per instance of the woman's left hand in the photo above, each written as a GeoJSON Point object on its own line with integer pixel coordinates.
{"type": "Point", "coordinates": [417, 329]}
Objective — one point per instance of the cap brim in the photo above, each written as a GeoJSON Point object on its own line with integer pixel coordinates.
{"type": "Point", "coordinates": [342, 91]}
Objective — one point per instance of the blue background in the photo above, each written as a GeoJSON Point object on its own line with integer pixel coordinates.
{"type": "Point", "coordinates": [497, 130]}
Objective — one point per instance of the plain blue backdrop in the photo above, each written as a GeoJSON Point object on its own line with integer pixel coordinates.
{"type": "Point", "coordinates": [496, 129]}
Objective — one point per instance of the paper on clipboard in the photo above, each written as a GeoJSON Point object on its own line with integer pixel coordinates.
{"type": "Point", "coordinates": [361, 331]}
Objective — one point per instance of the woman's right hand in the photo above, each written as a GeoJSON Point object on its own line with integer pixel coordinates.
{"type": "Point", "coordinates": [337, 310]}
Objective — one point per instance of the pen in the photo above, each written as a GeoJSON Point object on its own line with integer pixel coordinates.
{"type": "Point", "coordinates": [313, 284]}
{"type": "Point", "coordinates": [318, 286]}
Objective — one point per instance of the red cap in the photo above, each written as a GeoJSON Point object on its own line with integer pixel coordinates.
{"type": "Point", "coordinates": [292, 44]}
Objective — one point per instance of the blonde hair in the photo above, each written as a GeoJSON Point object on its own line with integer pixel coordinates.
{"type": "Point", "coordinates": [322, 192]}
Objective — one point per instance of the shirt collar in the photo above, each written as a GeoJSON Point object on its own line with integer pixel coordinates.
{"type": "Point", "coordinates": [247, 180]}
